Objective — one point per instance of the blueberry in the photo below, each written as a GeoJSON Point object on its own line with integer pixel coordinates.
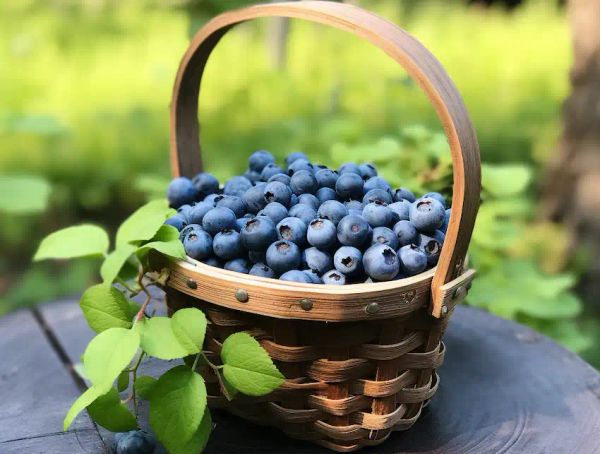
{"type": "Point", "coordinates": [197, 212]}
{"type": "Point", "coordinates": [303, 182]}
{"type": "Point", "coordinates": [413, 259]}
{"type": "Point", "coordinates": [188, 228]}
{"type": "Point", "coordinates": [198, 244]}
{"type": "Point", "coordinates": [377, 195]}
{"type": "Point", "coordinates": [181, 191]}
{"type": "Point", "coordinates": [349, 167]}
{"type": "Point", "coordinates": [269, 171]}
{"type": "Point", "coordinates": [252, 175]}
{"type": "Point", "coordinates": [427, 214]}
{"type": "Point", "coordinates": [353, 230]}
{"type": "Point", "coordinates": [259, 159]}
{"type": "Point", "coordinates": [322, 234]}
{"type": "Point", "coordinates": [313, 276]}
{"type": "Point", "coordinates": [237, 186]}
{"type": "Point", "coordinates": [281, 177]}
{"type": "Point", "coordinates": [349, 186]}
{"type": "Point", "coordinates": [325, 194]}
{"type": "Point", "coordinates": [178, 221]}
{"type": "Point", "coordinates": [309, 200]}
{"type": "Point", "coordinates": [219, 219]}
{"type": "Point", "coordinates": [381, 262]}
{"type": "Point", "coordinates": [386, 236]}
{"type": "Point", "coordinates": [254, 198]}
{"type": "Point", "coordinates": [404, 194]}
{"type": "Point", "coordinates": [367, 171]}
{"type": "Point", "coordinates": [303, 212]}
{"type": "Point", "coordinates": [289, 159]}
{"type": "Point", "coordinates": [431, 247]}
{"type": "Point", "coordinates": [135, 442]}
{"type": "Point", "coordinates": [205, 184]}
{"type": "Point", "coordinates": [257, 256]}
{"type": "Point", "coordinates": [406, 233]}
{"type": "Point", "coordinates": [444, 226]}
{"type": "Point", "coordinates": [292, 229]}
{"type": "Point", "coordinates": [326, 178]}
{"type": "Point", "coordinates": [378, 214]}
{"type": "Point", "coordinates": [333, 210]}
{"type": "Point", "coordinates": [437, 196]}
{"type": "Point", "coordinates": [377, 183]}
{"type": "Point", "coordinates": [296, 276]}
{"type": "Point", "coordinates": [239, 265]}
{"type": "Point", "coordinates": [211, 199]}
{"type": "Point", "coordinates": [354, 205]}
{"type": "Point", "coordinates": [276, 191]}
{"type": "Point", "coordinates": [227, 244]}
{"type": "Point", "coordinates": [258, 234]}
{"type": "Point", "coordinates": [262, 270]}
{"type": "Point", "coordinates": [234, 203]}
{"type": "Point", "coordinates": [241, 222]}
{"type": "Point", "coordinates": [317, 260]}
{"type": "Point", "coordinates": [348, 260]}
{"type": "Point", "coordinates": [334, 277]}
{"type": "Point", "coordinates": [213, 261]}
{"type": "Point", "coordinates": [283, 256]}
{"type": "Point", "coordinates": [293, 200]}
{"type": "Point", "coordinates": [300, 164]}
{"type": "Point", "coordinates": [402, 210]}
{"type": "Point", "coordinates": [274, 210]}
{"type": "Point", "coordinates": [184, 210]}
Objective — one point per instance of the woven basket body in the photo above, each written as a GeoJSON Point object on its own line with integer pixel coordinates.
{"type": "Point", "coordinates": [359, 360]}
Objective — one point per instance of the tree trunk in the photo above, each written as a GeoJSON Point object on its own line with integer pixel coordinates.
{"type": "Point", "coordinates": [572, 190]}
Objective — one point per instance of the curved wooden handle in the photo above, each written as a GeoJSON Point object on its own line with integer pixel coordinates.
{"type": "Point", "coordinates": [419, 63]}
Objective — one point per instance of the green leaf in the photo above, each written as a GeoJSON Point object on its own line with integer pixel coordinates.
{"type": "Point", "coordinates": [198, 441]}
{"type": "Point", "coordinates": [89, 396]}
{"type": "Point", "coordinates": [108, 354]}
{"type": "Point", "coordinates": [78, 241]}
{"type": "Point", "coordinates": [177, 407]}
{"type": "Point", "coordinates": [144, 223]}
{"type": "Point", "coordinates": [166, 241]}
{"type": "Point", "coordinates": [134, 308]}
{"type": "Point", "coordinates": [114, 262]}
{"type": "Point", "coordinates": [158, 339]}
{"type": "Point", "coordinates": [144, 384]}
{"type": "Point", "coordinates": [189, 327]}
{"type": "Point", "coordinates": [23, 194]}
{"type": "Point", "coordinates": [248, 367]}
{"type": "Point", "coordinates": [123, 381]}
{"type": "Point", "coordinates": [108, 411]}
{"type": "Point", "coordinates": [105, 307]}
{"type": "Point", "coordinates": [505, 180]}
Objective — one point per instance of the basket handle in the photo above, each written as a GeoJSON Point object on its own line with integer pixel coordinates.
{"type": "Point", "coordinates": [419, 63]}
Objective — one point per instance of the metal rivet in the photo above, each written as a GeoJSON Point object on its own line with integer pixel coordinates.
{"type": "Point", "coordinates": [372, 308]}
{"type": "Point", "coordinates": [458, 292]}
{"type": "Point", "coordinates": [241, 295]}
{"type": "Point", "coordinates": [192, 284]}
{"type": "Point", "coordinates": [444, 310]}
{"type": "Point", "coordinates": [306, 304]}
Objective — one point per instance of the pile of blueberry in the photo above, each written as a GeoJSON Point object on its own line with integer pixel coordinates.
{"type": "Point", "coordinates": [308, 223]}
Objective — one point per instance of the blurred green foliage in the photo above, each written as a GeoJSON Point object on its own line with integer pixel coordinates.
{"type": "Point", "coordinates": [85, 89]}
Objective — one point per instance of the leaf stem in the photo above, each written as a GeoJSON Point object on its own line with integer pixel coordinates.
{"type": "Point", "coordinates": [133, 390]}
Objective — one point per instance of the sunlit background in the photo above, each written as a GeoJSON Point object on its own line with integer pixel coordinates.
{"type": "Point", "coordinates": [85, 88]}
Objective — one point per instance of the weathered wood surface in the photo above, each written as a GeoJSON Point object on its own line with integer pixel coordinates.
{"type": "Point", "coordinates": [504, 388]}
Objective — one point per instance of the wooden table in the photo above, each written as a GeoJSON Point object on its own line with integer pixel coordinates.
{"type": "Point", "coordinates": [504, 388]}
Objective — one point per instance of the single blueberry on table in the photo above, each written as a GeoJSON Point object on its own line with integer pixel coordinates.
{"type": "Point", "coordinates": [317, 260]}
{"type": "Point", "coordinates": [283, 256]}
{"type": "Point", "coordinates": [269, 171]}
{"type": "Point", "coordinates": [181, 191]}
{"type": "Point", "coordinates": [296, 276]}
{"type": "Point", "coordinates": [303, 182]}
{"type": "Point", "coordinates": [197, 243]}
{"type": "Point", "coordinates": [322, 233]}
{"type": "Point", "coordinates": [134, 442]}
{"type": "Point", "coordinates": [205, 184]}
{"type": "Point", "coordinates": [313, 276]}
{"type": "Point", "coordinates": [353, 230]}
{"type": "Point", "coordinates": [412, 259]}
{"type": "Point", "coordinates": [367, 171]}
{"type": "Point", "coordinates": [349, 167]}
{"type": "Point", "coordinates": [275, 211]}
{"type": "Point", "coordinates": [262, 270]}
{"type": "Point", "coordinates": [281, 177]}
{"type": "Point", "coordinates": [437, 196]}
{"type": "Point", "coordinates": [290, 158]}
{"type": "Point", "coordinates": [178, 221]}
{"type": "Point", "coordinates": [378, 214]}
{"type": "Point", "coordinates": [404, 194]}
{"type": "Point", "coordinates": [334, 277]}
{"type": "Point", "coordinates": [300, 164]}
{"type": "Point", "coordinates": [406, 233]}
{"type": "Point", "coordinates": [237, 186]}
{"type": "Point", "coordinates": [349, 186]}
{"type": "Point", "coordinates": [292, 229]}
{"type": "Point", "coordinates": [402, 210]}
{"type": "Point", "coordinates": [275, 191]}
{"type": "Point", "coordinates": [309, 200]}
{"type": "Point", "coordinates": [234, 203]}
{"type": "Point", "coordinates": [326, 178]}
{"type": "Point", "coordinates": [377, 195]}
{"type": "Point", "coordinates": [385, 236]}
{"type": "Point", "coordinates": [239, 265]}
{"type": "Point", "coordinates": [254, 198]}
{"type": "Point", "coordinates": [227, 245]}
{"type": "Point", "coordinates": [325, 194]}
{"type": "Point", "coordinates": [348, 260]}
{"type": "Point", "coordinates": [427, 214]}
{"type": "Point", "coordinates": [259, 159]}
{"type": "Point", "coordinates": [381, 262]}
{"type": "Point", "coordinates": [219, 219]}
{"type": "Point", "coordinates": [303, 212]}
{"type": "Point", "coordinates": [377, 183]}
{"type": "Point", "coordinates": [197, 212]}
{"type": "Point", "coordinates": [332, 210]}
{"type": "Point", "coordinates": [258, 234]}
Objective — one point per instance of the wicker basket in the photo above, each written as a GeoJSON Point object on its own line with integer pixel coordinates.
{"type": "Point", "coordinates": [359, 360]}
